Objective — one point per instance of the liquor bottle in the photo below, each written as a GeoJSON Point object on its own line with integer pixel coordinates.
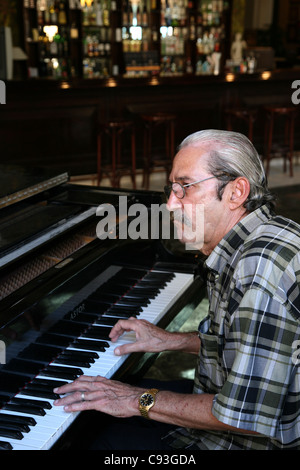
{"type": "Point", "coordinates": [138, 15]}
{"type": "Point", "coordinates": [168, 18]}
{"type": "Point", "coordinates": [53, 13]}
{"type": "Point", "coordinates": [130, 14]}
{"type": "Point", "coordinates": [45, 6]}
{"type": "Point", "coordinates": [62, 15]}
{"type": "Point", "coordinates": [125, 13]}
{"type": "Point", "coordinates": [105, 13]}
{"type": "Point", "coordinates": [85, 15]}
{"type": "Point", "coordinates": [145, 15]}
{"type": "Point", "coordinates": [175, 14]}
{"type": "Point", "coordinates": [98, 13]}
{"type": "Point", "coordinates": [40, 16]}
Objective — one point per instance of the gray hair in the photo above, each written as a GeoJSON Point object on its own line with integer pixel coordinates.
{"type": "Point", "coordinates": [233, 155]}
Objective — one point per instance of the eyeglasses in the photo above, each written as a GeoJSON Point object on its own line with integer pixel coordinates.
{"type": "Point", "coordinates": [179, 189]}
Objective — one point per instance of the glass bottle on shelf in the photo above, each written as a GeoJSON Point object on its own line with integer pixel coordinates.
{"type": "Point", "coordinates": [62, 15]}
{"type": "Point", "coordinates": [210, 33]}
{"type": "Point", "coordinates": [106, 19]}
{"type": "Point", "coordinates": [173, 36]}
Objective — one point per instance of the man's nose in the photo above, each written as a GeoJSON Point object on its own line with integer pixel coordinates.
{"type": "Point", "coordinates": [173, 202]}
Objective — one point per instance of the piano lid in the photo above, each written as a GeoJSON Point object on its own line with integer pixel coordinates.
{"type": "Point", "coordinates": [18, 183]}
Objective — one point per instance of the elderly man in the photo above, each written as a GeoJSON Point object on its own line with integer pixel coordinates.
{"type": "Point", "coordinates": [246, 392]}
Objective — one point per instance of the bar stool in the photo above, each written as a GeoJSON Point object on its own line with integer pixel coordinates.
{"type": "Point", "coordinates": [114, 130]}
{"type": "Point", "coordinates": [153, 163]}
{"type": "Point", "coordinates": [244, 114]}
{"type": "Point", "coordinates": [288, 113]}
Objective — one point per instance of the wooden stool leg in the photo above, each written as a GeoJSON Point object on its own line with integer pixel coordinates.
{"type": "Point", "coordinates": [133, 159]}
{"type": "Point", "coordinates": [172, 130]}
{"type": "Point", "coordinates": [229, 122]}
{"type": "Point", "coordinates": [269, 141]}
{"type": "Point", "coordinates": [291, 139]}
{"type": "Point", "coordinates": [147, 154]}
{"type": "Point", "coordinates": [171, 147]}
{"type": "Point", "coordinates": [250, 130]}
{"type": "Point", "coordinates": [113, 157]}
{"type": "Point", "coordinates": [99, 168]}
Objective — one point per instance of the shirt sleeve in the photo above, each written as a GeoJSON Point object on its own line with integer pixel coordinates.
{"type": "Point", "coordinates": [258, 353]}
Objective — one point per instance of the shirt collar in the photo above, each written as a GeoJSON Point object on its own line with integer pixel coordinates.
{"type": "Point", "coordinates": [230, 244]}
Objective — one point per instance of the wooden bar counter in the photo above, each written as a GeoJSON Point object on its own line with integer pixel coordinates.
{"type": "Point", "coordinates": [54, 123]}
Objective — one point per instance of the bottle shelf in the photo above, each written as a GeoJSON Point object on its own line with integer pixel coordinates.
{"type": "Point", "coordinates": [104, 38]}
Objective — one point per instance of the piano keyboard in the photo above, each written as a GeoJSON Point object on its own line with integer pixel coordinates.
{"type": "Point", "coordinates": [39, 427]}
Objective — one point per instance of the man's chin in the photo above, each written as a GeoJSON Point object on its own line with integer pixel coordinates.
{"type": "Point", "coordinates": [188, 238]}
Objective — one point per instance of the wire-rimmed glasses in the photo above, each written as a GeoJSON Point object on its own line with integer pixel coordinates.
{"type": "Point", "coordinates": [179, 189]}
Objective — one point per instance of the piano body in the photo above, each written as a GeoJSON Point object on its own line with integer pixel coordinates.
{"type": "Point", "coordinates": [61, 290]}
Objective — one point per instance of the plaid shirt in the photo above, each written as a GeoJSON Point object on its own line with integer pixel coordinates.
{"type": "Point", "coordinates": [248, 356]}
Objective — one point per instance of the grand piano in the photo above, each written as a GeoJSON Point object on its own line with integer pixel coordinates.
{"type": "Point", "coordinates": [62, 288]}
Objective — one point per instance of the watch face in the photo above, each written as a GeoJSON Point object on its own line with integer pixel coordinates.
{"type": "Point", "coordinates": [146, 399]}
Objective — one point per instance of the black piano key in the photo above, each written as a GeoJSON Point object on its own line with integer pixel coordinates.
{"type": "Point", "coordinates": [25, 408]}
{"type": "Point", "coordinates": [151, 284]}
{"type": "Point", "coordinates": [47, 383]}
{"type": "Point", "coordinates": [138, 298]}
{"type": "Point", "coordinates": [26, 420]}
{"type": "Point", "coordinates": [130, 302]}
{"type": "Point", "coordinates": [130, 273]}
{"type": "Point", "coordinates": [5, 445]}
{"type": "Point", "coordinates": [96, 307]}
{"type": "Point", "coordinates": [77, 356]}
{"type": "Point", "coordinates": [99, 345]}
{"type": "Point", "coordinates": [54, 340]}
{"type": "Point", "coordinates": [107, 321]}
{"type": "Point", "coordinates": [102, 335]}
{"type": "Point", "coordinates": [39, 393]}
{"type": "Point", "coordinates": [98, 332]}
{"type": "Point", "coordinates": [10, 433]}
{"type": "Point", "coordinates": [147, 288]}
{"type": "Point", "coordinates": [68, 328]}
{"type": "Point", "coordinates": [40, 353]}
{"type": "Point", "coordinates": [15, 426]}
{"type": "Point", "coordinates": [123, 311]}
{"type": "Point", "coordinates": [68, 373]}
{"type": "Point", "coordinates": [39, 403]}
{"type": "Point", "coordinates": [67, 360]}
{"type": "Point", "coordinates": [12, 383]}
{"type": "Point", "coordinates": [159, 276]}
{"type": "Point", "coordinates": [25, 367]}
{"type": "Point", "coordinates": [4, 399]}
{"type": "Point", "coordinates": [90, 356]}
{"type": "Point", "coordinates": [43, 388]}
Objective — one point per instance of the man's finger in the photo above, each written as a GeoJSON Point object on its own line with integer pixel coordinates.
{"type": "Point", "coordinates": [121, 327]}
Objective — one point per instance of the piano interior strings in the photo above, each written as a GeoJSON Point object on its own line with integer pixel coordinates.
{"type": "Point", "coordinates": [61, 291]}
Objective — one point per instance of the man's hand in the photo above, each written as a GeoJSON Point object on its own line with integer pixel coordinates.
{"type": "Point", "coordinates": [149, 338]}
{"type": "Point", "coordinates": [101, 394]}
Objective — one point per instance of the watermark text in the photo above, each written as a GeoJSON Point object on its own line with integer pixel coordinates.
{"type": "Point", "coordinates": [2, 352]}
{"type": "Point", "coordinates": [2, 92]}
{"type": "Point", "coordinates": [141, 222]}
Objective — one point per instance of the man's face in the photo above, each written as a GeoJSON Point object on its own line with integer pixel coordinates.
{"type": "Point", "coordinates": [198, 217]}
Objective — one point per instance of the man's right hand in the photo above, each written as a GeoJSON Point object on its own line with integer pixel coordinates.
{"type": "Point", "coordinates": [149, 338]}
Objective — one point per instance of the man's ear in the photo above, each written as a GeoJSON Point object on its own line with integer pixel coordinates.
{"type": "Point", "coordinates": [238, 192]}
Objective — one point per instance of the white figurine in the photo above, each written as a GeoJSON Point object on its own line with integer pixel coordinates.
{"type": "Point", "coordinates": [237, 48]}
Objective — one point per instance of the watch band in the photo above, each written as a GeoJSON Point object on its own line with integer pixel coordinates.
{"type": "Point", "coordinates": [144, 409]}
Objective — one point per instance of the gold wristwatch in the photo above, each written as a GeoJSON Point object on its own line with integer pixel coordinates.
{"type": "Point", "coordinates": [146, 401]}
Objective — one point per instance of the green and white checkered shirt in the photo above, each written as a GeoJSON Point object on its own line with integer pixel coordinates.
{"type": "Point", "coordinates": [248, 356]}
